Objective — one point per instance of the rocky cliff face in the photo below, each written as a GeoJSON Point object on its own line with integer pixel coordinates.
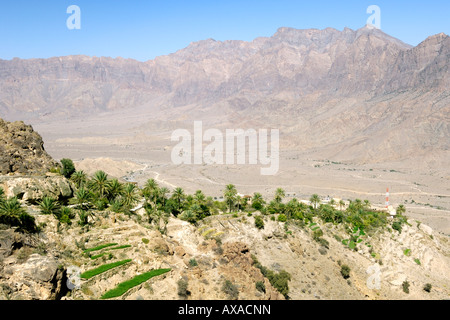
{"type": "Point", "coordinates": [344, 63]}
{"type": "Point", "coordinates": [22, 150]}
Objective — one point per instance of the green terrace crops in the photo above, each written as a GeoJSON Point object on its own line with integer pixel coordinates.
{"type": "Point", "coordinates": [107, 247]}
{"type": "Point", "coordinates": [137, 280]}
{"type": "Point", "coordinates": [93, 272]}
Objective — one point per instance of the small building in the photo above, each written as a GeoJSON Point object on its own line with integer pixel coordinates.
{"type": "Point", "coordinates": [392, 211]}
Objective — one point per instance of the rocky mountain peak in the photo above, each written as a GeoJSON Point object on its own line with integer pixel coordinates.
{"type": "Point", "coordinates": [22, 150]}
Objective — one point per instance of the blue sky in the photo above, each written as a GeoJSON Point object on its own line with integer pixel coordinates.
{"type": "Point", "coordinates": [144, 29]}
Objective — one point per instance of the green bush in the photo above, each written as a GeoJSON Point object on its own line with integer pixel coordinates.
{"type": "Point", "coordinates": [259, 222]}
{"type": "Point", "coordinates": [427, 287]}
{"type": "Point", "coordinates": [193, 262]}
{"type": "Point", "coordinates": [68, 168]}
{"type": "Point", "coordinates": [65, 215]}
{"type": "Point", "coordinates": [260, 286]}
{"type": "Point", "coordinates": [282, 218]}
{"type": "Point", "coordinates": [405, 286]}
{"type": "Point", "coordinates": [317, 234]}
{"type": "Point", "coordinates": [345, 271]}
{"type": "Point", "coordinates": [278, 280]}
{"type": "Point", "coordinates": [397, 225]}
{"type": "Point", "coordinates": [230, 289]}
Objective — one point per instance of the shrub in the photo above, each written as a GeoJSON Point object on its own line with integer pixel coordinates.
{"type": "Point", "coordinates": [278, 280]}
{"type": "Point", "coordinates": [193, 262]}
{"type": "Point", "coordinates": [317, 233]}
{"type": "Point", "coordinates": [282, 218]}
{"type": "Point", "coordinates": [65, 215]}
{"type": "Point", "coordinates": [259, 222]}
{"type": "Point", "coordinates": [230, 289]}
{"type": "Point", "coordinates": [345, 271]}
{"type": "Point", "coordinates": [397, 225]}
{"type": "Point", "coordinates": [183, 288]}
{"type": "Point", "coordinates": [145, 240]}
{"type": "Point", "coordinates": [260, 286]}
{"type": "Point", "coordinates": [427, 287]}
{"type": "Point", "coordinates": [405, 286]}
{"type": "Point", "coordinates": [68, 168]}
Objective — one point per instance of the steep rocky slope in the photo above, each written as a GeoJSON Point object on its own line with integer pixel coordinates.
{"type": "Point", "coordinates": [22, 150]}
{"type": "Point", "coordinates": [225, 253]}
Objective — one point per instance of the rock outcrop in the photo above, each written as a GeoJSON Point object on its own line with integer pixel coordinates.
{"type": "Point", "coordinates": [32, 189]}
{"type": "Point", "coordinates": [22, 150]}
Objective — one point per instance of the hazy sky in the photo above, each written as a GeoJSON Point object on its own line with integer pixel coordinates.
{"type": "Point", "coordinates": [144, 29]}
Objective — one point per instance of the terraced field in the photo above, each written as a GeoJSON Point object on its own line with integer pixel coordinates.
{"type": "Point", "coordinates": [112, 268]}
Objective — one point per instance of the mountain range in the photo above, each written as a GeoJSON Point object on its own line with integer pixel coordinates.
{"type": "Point", "coordinates": [350, 95]}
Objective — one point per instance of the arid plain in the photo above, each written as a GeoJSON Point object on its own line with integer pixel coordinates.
{"type": "Point", "coordinates": [135, 154]}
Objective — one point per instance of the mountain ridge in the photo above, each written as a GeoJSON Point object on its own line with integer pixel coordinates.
{"type": "Point", "coordinates": [319, 77]}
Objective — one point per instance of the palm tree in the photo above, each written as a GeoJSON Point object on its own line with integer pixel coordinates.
{"type": "Point", "coordinates": [258, 201]}
{"type": "Point", "coordinates": [179, 196]}
{"type": "Point", "coordinates": [130, 195]}
{"type": "Point", "coordinates": [199, 197]}
{"type": "Point", "coordinates": [79, 178]}
{"type": "Point", "coordinates": [11, 207]}
{"type": "Point", "coordinates": [49, 206]}
{"type": "Point", "coordinates": [279, 195]}
{"type": "Point", "coordinates": [2, 194]}
{"type": "Point", "coordinates": [158, 217]}
{"type": "Point", "coordinates": [12, 213]}
{"type": "Point", "coordinates": [99, 183]}
{"type": "Point", "coordinates": [196, 208]}
{"type": "Point", "coordinates": [367, 204]}
{"type": "Point", "coordinates": [230, 195]}
{"type": "Point", "coordinates": [315, 200]}
{"type": "Point", "coordinates": [163, 192]}
{"type": "Point", "coordinates": [401, 209]}
{"type": "Point", "coordinates": [82, 198]}
{"type": "Point", "coordinates": [151, 190]}
{"type": "Point", "coordinates": [114, 189]}
{"type": "Point", "coordinates": [189, 216]}
{"type": "Point", "coordinates": [292, 208]}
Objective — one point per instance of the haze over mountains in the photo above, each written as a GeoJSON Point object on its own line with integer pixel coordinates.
{"type": "Point", "coordinates": [360, 96]}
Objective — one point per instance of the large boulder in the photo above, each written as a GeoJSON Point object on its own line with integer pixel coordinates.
{"type": "Point", "coordinates": [38, 278]}
{"type": "Point", "coordinates": [33, 189]}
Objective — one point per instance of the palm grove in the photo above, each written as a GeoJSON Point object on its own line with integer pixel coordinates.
{"type": "Point", "coordinates": [99, 194]}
